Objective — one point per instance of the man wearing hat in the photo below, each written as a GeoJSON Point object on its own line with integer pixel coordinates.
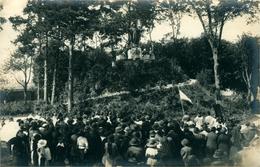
{"type": "Point", "coordinates": [18, 148]}
{"type": "Point", "coordinates": [187, 153]}
{"type": "Point", "coordinates": [219, 158]}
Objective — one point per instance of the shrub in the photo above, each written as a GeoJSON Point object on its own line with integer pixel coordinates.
{"type": "Point", "coordinates": [16, 108]}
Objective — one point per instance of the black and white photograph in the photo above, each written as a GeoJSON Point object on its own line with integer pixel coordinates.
{"type": "Point", "coordinates": [130, 83]}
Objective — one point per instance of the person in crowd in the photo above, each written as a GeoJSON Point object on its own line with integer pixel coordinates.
{"type": "Point", "coordinates": [82, 143]}
{"type": "Point", "coordinates": [44, 153]}
{"type": "Point", "coordinates": [151, 152]}
{"type": "Point", "coordinates": [249, 133]}
{"type": "Point", "coordinates": [219, 158]}
{"type": "Point", "coordinates": [60, 152]}
{"type": "Point", "coordinates": [210, 121]}
{"type": "Point", "coordinates": [135, 152]}
{"type": "Point", "coordinates": [34, 154]}
{"type": "Point", "coordinates": [188, 157]}
{"type": "Point", "coordinates": [111, 156]}
{"type": "Point", "coordinates": [211, 143]}
{"type": "Point", "coordinates": [19, 149]}
{"type": "Point", "coordinates": [235, 141]}
{"type": "Point", "coordinates": [223, 141]}
{"type": "Point", "coordinates": [117, 138]}
{"type": "Point", "coordinates": [199, 121]}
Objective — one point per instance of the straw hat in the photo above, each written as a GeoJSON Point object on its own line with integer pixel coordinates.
{"type": "Point", "coordinates": [42, 143]}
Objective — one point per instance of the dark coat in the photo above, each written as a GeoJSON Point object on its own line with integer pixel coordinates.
{"type": "Point", "coordinates": [223, 141]}
{"type": "Point", "coordinates": [19, 150]}
{"type": "Point", "coordinates": [135, 154]}
{"type": "Point", "coordinates": [212, 140]}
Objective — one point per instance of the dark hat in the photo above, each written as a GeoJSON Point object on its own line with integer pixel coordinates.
{"type": "Point", "coordinates": [156, 126]}
{"type": "Point", "coordinates": [252, 126]}
{"type": "Point", "coordinates": [127, 129]}
{"type": "Point", "coordinates": [74, 137]}
{"type": "Point", "coordinates": [152, 143]}
{"type": "Point", "coordinates": [219, 153]}
{"type": "Point", "coordinates": [134, 142]}
{"type": "Point", "coordinates": [118, 129]}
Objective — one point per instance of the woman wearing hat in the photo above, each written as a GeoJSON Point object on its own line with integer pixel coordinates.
{"type": "Point", "coordinates": [111, 156]}
{"type": "Point", "coordinates": [34, 154]}
{"type": "Point", "coordinates": [82, 144]}
{"type": "Point", "coordinates": [44, 153]}
{"type": "Point", "coordinates": [151, 152]}
{"type": "Point", "coordinates": [187, 154]}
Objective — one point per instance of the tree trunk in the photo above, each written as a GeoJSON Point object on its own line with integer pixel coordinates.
{"type": "Point", "coordinates": [38, 89]}
{"type": "Point", "coordinates": [53, 84]}
{"type": "Point", "coordinates": [45, 87]}
{"type": "Point", "coordinates": [70, 78]}
{"type": "Point", "coordinates": [25, 93]}
{"type": "Point", "coordinates": [216, 74]}
{"type": "Point", "coordinates": [249, 94]}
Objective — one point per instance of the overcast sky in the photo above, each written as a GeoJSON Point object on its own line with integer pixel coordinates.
{"type": "Point", "coordinates": [190, 27]}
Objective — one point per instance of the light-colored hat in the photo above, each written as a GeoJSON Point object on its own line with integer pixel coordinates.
{"type": "Point", "coordinates": [185, 142]}
{"type": "Point", "coordinates": [41, 143]}
{"type": "Point", "coordinates": [118, 129]}
{"type": "Point", "coordinates": [44, 125]}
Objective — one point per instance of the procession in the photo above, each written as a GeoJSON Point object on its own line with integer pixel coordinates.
{"type": "Point", "coordinates": [118, 83]}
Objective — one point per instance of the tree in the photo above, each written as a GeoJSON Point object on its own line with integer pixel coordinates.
{"type": "Point", "coordinates": [2, 19]}
{"type": "Point", "coordinates": [245, 49]}
{"type": "Point", "coordinates": [33, 25]}
{"type": "Point", "coordinates": [213, 15]}
{"type": "Point", "coordinates": [20, 62]}
{"type": "Point", "coordinates": [172, 10]}
{"type": "Point", "coordinates": [75, 23]}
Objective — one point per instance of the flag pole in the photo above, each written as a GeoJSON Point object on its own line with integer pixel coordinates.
{"type": "Point", "coordinates": [181, 101]}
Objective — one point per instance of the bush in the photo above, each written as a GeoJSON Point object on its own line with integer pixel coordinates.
{"type": "Point", "coordinates": [205, 77]}
{"type": "Point", "coordinates": [16, 108]}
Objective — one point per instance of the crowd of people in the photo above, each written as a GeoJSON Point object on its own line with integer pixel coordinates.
{"type": "Point", "coordinates": [111, 139]}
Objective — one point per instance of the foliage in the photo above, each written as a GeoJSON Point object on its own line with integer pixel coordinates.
{"type": "Point", "coordinates": [59, 37]}
{"type": "Point", "coordinates": [2, 19]}
{"type": "Point", "coordinates": [205, 77]}
{"type": "Point", "coordinates": [213, 15]}
{"type": "Point", "coordinates": [16, 108]}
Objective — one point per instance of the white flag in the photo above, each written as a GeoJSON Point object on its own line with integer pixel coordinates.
{"type": "Point", "coordinates": [184, 97]}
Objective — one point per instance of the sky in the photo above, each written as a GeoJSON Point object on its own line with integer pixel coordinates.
{"type": "Point", "coordinates": [190, 27]}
